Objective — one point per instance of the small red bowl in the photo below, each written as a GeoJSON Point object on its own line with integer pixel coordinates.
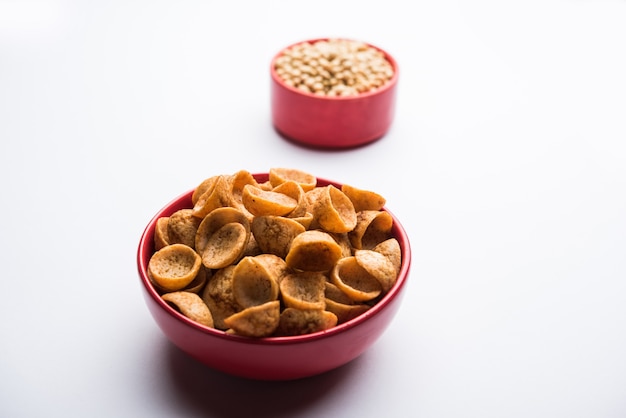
{"type": "Point", "coordinates": [275, 358]}
{"type": "Point", "coordinates": [332, 122]}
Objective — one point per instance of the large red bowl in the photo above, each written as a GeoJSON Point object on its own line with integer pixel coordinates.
{"type": "Point", "coordinates": [276, 358]}
{"type": "Point", "coordinates": [332, 122]}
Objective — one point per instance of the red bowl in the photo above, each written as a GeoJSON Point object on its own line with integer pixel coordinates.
{"type": "Point", "coordinates": [274, 358]}
{"type": "Point", "coordinates": [332, 122]}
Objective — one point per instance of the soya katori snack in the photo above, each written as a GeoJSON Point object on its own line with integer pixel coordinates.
{"type": "Point", "coordinates": [279, 258]}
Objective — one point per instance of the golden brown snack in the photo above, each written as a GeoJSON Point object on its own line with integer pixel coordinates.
{"type": "Point", "coordinates": [216, 195]}
{"type": "Point", "coordinates": [222, 237]}
{"type": "Point", "coordinates": [363, 199]}
{"type": "Point", "coordinates": [334, 211]}
{"type": "Point", "coordinates": [218, 296]}
{"type": "Point", "coordinates": [280, 175]}
{"type": "Point", "coordinates": [390, 248]}
{"type": "Point", "coordinates": [174, 267]}
{"type": "Point", "coordinates": [192, 306]}
{"type": "Point", "coordinates": [256, 321]}
{"type": "Point", "coordinates": [253, 283]}
{"type": "Point", "coordinates": [207, 184]}
{"type": "Point", "coordinates": [182, 227]}
{"type": "Point", "coordinates": [305, 321]}
{"type": "Point", "coordinates": [303, 290]}
{"type": "Point", "coordinates": [372, 228]}
{"type": "Point", "coordinates": [345, 312]}
{"type": "Point", "coordinates": [379, 266]}
{"type": "Point", "coordinates": [313, 251]}
{"type": "Point", "coordinates": [160, 233]}
{"type": "Point", "coordinates": [261, 202]}
{"type": "Point", "coordinates": [274, 234]}
{"type": "Point", "coordinates": [294, 190]}
{"type": "Point", "coordinates": [354, 280]}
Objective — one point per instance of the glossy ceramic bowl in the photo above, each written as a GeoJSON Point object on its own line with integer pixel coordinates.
{"type": "Point", "coordinates": [275, 358]}
{"type": "Point", "coordinates": [332, 122]}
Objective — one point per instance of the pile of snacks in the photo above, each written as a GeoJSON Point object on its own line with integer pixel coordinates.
{"type": "Point", "coordinates": [334, 67]}
{"type": "Point", "coordinates": [279, 258]}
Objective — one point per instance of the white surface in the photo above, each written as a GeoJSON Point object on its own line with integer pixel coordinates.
{"type": "Point", "coordinates": [506, 163]}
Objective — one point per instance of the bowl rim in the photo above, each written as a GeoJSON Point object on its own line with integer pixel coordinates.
{"type": "Point", "coordinates": [387, 86]}
{"type": "Point", "coordinates": [146, 249]}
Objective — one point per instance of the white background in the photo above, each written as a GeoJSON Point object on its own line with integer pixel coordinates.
{"type": "Point", "coordinates": [506, 163]}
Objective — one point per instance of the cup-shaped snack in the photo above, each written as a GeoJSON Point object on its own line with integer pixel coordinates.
{"type": "Point", "coordinates": [372, 228]}
{"type": "Point", "coordinates": [274, 234]}
{"type": "Point", "coordinates": [363, 199]}
{"type": "Point", "coordinates": [345, 311]}
{"type": "Point", "coordinates": [377, 265]}
{"type": "Point", "coordinates": [190, 305]}
{"type": "Point", "coordinates": [218, 296]}
{"type": "Point", "coordinates": [305, 321]}
{"type": "Point", "coordinates": [160, 233]}
{"type": "Point", "coordinates": [256, 321]}
{"type": "Point", "coordinates": [207, 184]}
{"type": "Point", "coordinates": [174, 267]}
{"type": "Point", "coordinates": [334, 211]}
{"type": "Point", "coordinates": [216, 195]}
{"type": "Point", "coordinates": [275, 265]}
{"type": "Point", "coordinates": [182, 226]}
{"type": "Point", "coordinates": [391, 249]}
{"type": "Point", "coordinates": [222, 237]}
{"type": "Point", "coordinates": [236, 183]}
{"type": "Point", "coordinates": [295, 191]}
{"type": "Point", "coordinates": [353, 280]}
{"type": "Point", "coordinates": [280, 175]}
{"type": "Point", "coordinates": [303, 290]}
{"type": "Point", "coordinates": [313, 250]}
{"type": "Point", "coordinates": [306, 220]}
{"type": "Point", "coordinates": [253, 283]}
{"type": "Point", "coordinates": [261, 202]}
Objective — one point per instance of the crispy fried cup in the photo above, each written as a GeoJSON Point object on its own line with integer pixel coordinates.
{"type": "Point", "coordinates": [377, 265]}
{"type": "Point", "coordinates": [345, 312]}
{"type": "Point", "coordinates": [174, 267]}
{"type": "Point", "coordinates": [281, 175]}
{"type": "Point", "coordinates": [353, 280]}
{"type": "Point", "coordinates": [372, 228]}
{"type": "Point", "coordinates": [274, 234]}
{"type": "Point", "coordinates": [160, 233]}
{"type": "Point", "coordinates": [256, 321]}
{"type": "Point", "coordinates": [363, 199]}
{"type": "Point", "coordinates": [190, 305]}
{"type": "Point", "coordinates": [222, 237]}
{"type": "Point", "coordinates": [391, 249]}
{"type": "Point", "coordinates": [305, 321]}
{"type": "Point", "coordinates": [182, 227]}
{"type": "Point", "coordinates": [303, 290]}
{"type": "Point", "coordinates": [218, 296]}
{"type": "Point", "coordinates": [294, 190]}
{"type": "Point", "coordinates": [216, 195]}
{"type": "Point", "coordinates": [334, 211]}
{"type": "Point", "coordinates": [261, 202]}
{"type": "Point", "coordinates": [253, 283]}
{"type": "Point", "coordinates": [313, 251]}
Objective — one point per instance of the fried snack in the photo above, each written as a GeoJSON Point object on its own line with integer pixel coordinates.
{"type": "Point", "coordinates": [199, 283]}
{"type": "Point", "coordinates": [344, 242]}
{"type": "Point", "coordinates": [216, 195]}
{"type": "Point", "coordinates": [218, 296]}
{"type": "Point", "coordinates": [274, 234]}
{"type": "Point", "coordinates": [280, 175]}
{"type": "Point", "coordinates": [390, 248]}
{"type": "Point", "coordinates": [207, 184]}
{"type": "Point", "coordinates": [182, 227]}
{"type": "Point", "coordinates": [363, 199]}
{"type": "Point", "coordinates": [256, 321]}
{"type": "Point", "coordinates": [377, 265]}
{"type": "Point", "coordinates": [236, 183]}
{"type": "Point", "coordinates": [222, 237]}
{"type": "Point", "coordinates": [261, 202]}
{"type": "Point", "coordinates": [332, 292]}
{"type": "Point", "coordinates": [303, 290]}
{"type": "Point", "coordinates": [306, 220]}
{"type": "Point", "coordinates": [190, 305]}
{"type": "Point", "coordinates": [313, 251]}
{"type": "Point", "coordinates": [305, 321]}
{"type": "Point", "coordinates": [334, 211]}
{"type": "Point", "coordinates": [294, 190]}
{"type": "Point", "coordinates": [160, 233]}
{"type": "Point", "coordinates": [174, 267]}
{"type": "Point", "coordinates": [345, 312]}
{"type": "Point", "coordinates": [353, 280]}
{"type": "Point", "coordinates": [274, 264]}
{"type": "Point", "coordinates": [372, 228]}
{"type": "Point", "coordinates": [253, 284]}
